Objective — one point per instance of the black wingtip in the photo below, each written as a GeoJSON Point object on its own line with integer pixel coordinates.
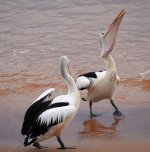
{"type": "Point", "coordinates": [27, 143]}
{"type": "Point", "coordinates": [83, 99]}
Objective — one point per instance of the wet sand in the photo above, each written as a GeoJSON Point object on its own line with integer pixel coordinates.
{"type": "Point", "coordinates": [103, 133]}
{"type": "Point", "coordinates": [104, 146]}
{"type": "Point", "coordinates": [33, 36]}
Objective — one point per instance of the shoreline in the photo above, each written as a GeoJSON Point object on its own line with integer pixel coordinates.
{"type": "Point", "coordinates": [102, 133]}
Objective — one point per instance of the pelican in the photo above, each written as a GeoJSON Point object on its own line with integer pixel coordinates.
{"type": "Point", "coordinates": [47, 118]}
{"type": "Point", "coordinates": [101, 84]}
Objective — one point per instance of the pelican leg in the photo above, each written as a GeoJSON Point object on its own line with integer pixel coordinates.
{"type": "Point", "coordinates": [62, 144]}
{"type": "Point", "coordinates": [38, 146]}
{"type": "Point", "coordinates": [91, 111]}
{"type": "Point", "coordinates": [117, 114]}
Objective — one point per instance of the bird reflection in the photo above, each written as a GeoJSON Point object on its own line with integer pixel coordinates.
{"type": "Point", "coordinates": [94, 128]}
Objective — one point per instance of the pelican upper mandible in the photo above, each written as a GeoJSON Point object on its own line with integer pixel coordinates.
{"type": "Point", "coordinates": [101, 84]}
{"type": "Point", "coordinates": [47, 118]}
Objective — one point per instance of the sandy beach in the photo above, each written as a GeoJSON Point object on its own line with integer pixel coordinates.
{"type": "Point", "coordinates": [103, 133]}
{"type": "Point", "coordinates": [34, 34]}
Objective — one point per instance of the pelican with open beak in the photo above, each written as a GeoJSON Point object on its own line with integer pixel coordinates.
{"type": "Point", "coordinates": [108, 38]}
{"type": "Point", "coordinates": [101, 84]}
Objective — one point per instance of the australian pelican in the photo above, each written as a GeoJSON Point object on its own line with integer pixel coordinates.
{"type": "Point", "coordinates": [101, 85]}
{"type": "Point", "coordinates": [47, 118]}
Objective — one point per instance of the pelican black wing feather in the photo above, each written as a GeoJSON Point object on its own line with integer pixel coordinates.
{"type": "Point", "coordinates": [30, 114]}
{"type": "Point", "coordinates": [40, 128]}
{"type": "Point", "coordinates": [90, 75]}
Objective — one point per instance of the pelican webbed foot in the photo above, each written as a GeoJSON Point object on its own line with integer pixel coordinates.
{"type": "Point", "coordinates": [118, 115]}
{"type": "Point", "coordinates": [91, 111]}
{"type": "Point", "coordinates": [38, 146]}
{"type": "Point", "coordinates": [94, 115]}
{"type": "Point", "coordinates": [67, 148]}
{"type": "Point", "coordinates": [62, 144]}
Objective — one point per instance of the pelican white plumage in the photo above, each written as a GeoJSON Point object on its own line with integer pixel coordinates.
{"type": "Point", "coordinates": [101, 85]}
{"type": "Point", "coordinates": [47, 118]}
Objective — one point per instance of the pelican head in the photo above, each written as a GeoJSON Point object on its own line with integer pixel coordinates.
{"type": "Point", "coordinates": [65, 63]}
{"type": "Point", "coordinates": [64, 59]}
{"type": "Point", "coordinates": [108, 38]}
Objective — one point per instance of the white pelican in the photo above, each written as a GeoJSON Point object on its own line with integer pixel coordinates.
{"type": "Point", "coordinates": [47, 118]}
{"type": "Point", "coordinates": [101, 85]}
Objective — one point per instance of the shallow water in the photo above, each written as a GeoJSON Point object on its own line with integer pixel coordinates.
{"type": "Point", "coordinates": [33, 36]}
